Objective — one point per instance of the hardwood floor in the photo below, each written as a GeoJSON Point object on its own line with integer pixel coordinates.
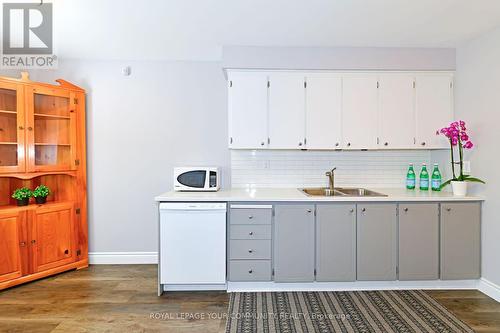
{"type": "Point", "coordinates": [118, 298]}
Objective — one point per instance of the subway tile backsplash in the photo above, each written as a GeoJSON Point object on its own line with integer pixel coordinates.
{"type": "Point", "coordinates": [287, 168]}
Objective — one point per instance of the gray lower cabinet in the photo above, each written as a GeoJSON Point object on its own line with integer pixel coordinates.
{"type": "Point", "coordinates": [294, 243]}
{"type": "Point", "coordinates": [418, 241]}
{"type": "Point", "coordinates": [336, 242]}
{"type": "Point", "coordinates": [376, 242]}
{"type": "Point", "coordinates": [460, 240]}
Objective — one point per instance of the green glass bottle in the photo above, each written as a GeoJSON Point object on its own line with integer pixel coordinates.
{"type": "Point", "coordinates": [410, 178]}
{"type": "Point", "coordinates": [424, 178]}
{"type": "Point", "coordinates": [436, 178]}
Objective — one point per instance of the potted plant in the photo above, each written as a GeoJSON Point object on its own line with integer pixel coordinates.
{"type": "Point", "coordinates": [459, 140]}
{"type": "Point", "coordinates": [22, 195]}
{"type": "Point", "coordinates": [40, 193]}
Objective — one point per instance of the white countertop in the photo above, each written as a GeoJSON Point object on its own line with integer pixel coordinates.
{"type": "Point", "coordinates": [295, 195]}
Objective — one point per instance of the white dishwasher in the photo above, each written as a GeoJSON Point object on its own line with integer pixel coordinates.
{"type": "Point", "coordinates": [192, 246]}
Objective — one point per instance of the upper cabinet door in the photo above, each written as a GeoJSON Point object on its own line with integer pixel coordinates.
{"type": "Point", "coordinates": [323, 112]}
{"type": "Point", "coordinates": [247, 110]}
{"type": "Point", "coordinates": [397, 116]}
{"type": "Point", "coordinates": [359, 114]}
{"type": "Point", "coordinates": [434, 109]}
{"type": "Point", "coordinates": [51, 126]}
{"type": "Point", "coordinates": [286, 111]}
{"type": "Point", "coordinates": [12, 133]}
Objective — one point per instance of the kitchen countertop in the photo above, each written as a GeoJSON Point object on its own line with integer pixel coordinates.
{"type": "Point", "coordinates": [295, 195]}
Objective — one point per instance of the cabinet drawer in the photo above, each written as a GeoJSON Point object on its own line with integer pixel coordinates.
{"type": "Point", "coordinates": [250, 270]}
{"type": "Point", "coordinates": [250, 216]}
{"type": "Point", "coordinates": [250, 232]}
{"type": "Point", "coordinates": [250, 249]}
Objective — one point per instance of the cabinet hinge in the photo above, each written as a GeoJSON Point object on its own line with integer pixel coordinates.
{"type": "Point", "coordinates": [77, 211]}
{"type": "Point", "coordinates": [272, 272]}
{"type": "Point", "coordinates": [268, 84]}
{"type": "Point", "coordinates": [268, 141]}
{"type": "Point", "coordinates": [77, 162]}
{"type": "Point", "coordinates": [231, 140]}
{"type": "Point", "coordinates": [451, 85]}
{"type": "Point", "coordinates": [230, 84]}
{"type": "Point", "coordinates": [314, 272]}
{"type": "Point", "coordinates": [378, 140]}
{"type": "Point", "coordinates": [78, 252]}
{"type": "Point", "coordinates": [414, 141]}
{"type": "Point", "coordinates": [397, 269]}
{"type": "Point", "coordinates": [378, 85]}
{"type": "Point", "coordinates": [413, 84]}
{"type": "Point", "coordinates": [305, 84]}
{"type": "Point", "coordinates": [305, 141]}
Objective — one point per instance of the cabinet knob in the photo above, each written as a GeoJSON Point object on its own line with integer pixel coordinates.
{"type": "Point", "coordinates": [363, 210]}
{"type": "Point", "coordinates": [250, 233]}
{"type": "Point", "coordinates": [22, 244]}
{"type": "Point", "coordinates": [33, 241]}
{"type": "Point", "coordinates": [351, 210]}
{"type": "Point", "coordinates": [348, 144]}
{"type": "Point", "coordinates": [309, 210]}
{"type": "Point", "coordinates": [386, 143]}
{"type": "Point", "coordinates": [30, 128]}
{"type": "Point", "coordinates": [300, 144]}
{"type": "Point", "coordinates": [66, 251]}
{"type": "Point", "coordinates": [337, 144]}
{"type": "Point", "coordinates": [262, 143]}
{"type": "Point", "coordinates": [406, 209]}
{"type": "Point", "coordinates": [250, 271]}
{"type": "Point", "coordinates": [423, 144]}
{"type": "Point", "coordinates": [448, 209]}
{"type": "Point", "coordinates": [21, 128]}
{"type": "Point", "coordinates": [250, 217]}
{"type": "Point", "coordinates": [250, 250]}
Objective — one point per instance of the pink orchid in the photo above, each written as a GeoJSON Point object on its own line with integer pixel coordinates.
{"type": "Point", "coordinates": [468, 145]}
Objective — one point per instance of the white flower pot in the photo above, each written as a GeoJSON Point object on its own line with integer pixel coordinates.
{"type": "Point", "coordinates": [459, 188]}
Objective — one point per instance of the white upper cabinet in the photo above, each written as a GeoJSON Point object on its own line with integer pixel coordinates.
{"type": "Point", "coordinates": [396, 111]}
{"type": "Point", "coordinates": [247, 101]}
{"type": "Point", "coordinates": [434, 109]}
{"type": "Point", "coordinates": [286, 110]}
{"type": "Point", "coordinates": [359, 111]}
{"type": "Point", "coordinates": [323, 112]}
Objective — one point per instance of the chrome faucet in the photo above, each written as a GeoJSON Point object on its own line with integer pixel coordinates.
{"type": "Point", "coordinates": [331, 179]}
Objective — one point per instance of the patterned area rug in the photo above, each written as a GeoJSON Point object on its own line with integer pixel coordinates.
{"type": "Point", "coordinates": [350, 311]}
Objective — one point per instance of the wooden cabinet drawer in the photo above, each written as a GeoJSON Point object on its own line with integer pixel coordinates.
{"type": "Point", "coordinates": [250, 270]}
{"type": "Point", "coordinates": [250, 216]}
{"type": "Point", "coordinates": [250, 232]}
{"type": "Point", "coordinates": [250, 249]}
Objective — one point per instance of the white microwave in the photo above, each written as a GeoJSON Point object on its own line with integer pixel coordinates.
{"type": "Point", "coordinates": [196, 179]}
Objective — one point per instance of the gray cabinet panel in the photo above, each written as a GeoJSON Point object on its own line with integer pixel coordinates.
{"type": "Point", "coordinates": [250, 231]}
{"type": "Point", "coordinates": [250, 216]}
{"type": "Point", "coordinates": [250, 270]}
{"type": "Point", "coordinates": [294, 243]}
{"type": "Point", "coordinates": [418, 241]}
{"type": "Point", "coordinates": [250, 249]}
{"type": "Point", "coordinates": [460, 240]}
{"type": "Point", "coordinates": [336, 242]}
{"type": "Point", "coordinates": [376, 242]}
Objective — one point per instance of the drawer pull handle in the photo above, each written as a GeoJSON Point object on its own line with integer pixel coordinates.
{"type": "Point", "coordinates": [250, 271]}
{"type": "Point", "coordinates": [363, 210]}
{"type": "Point", "coordinates": [406, 209]}
{"type": "Point", "coordinates": [250, 217]}
{"type": "Point", "coordinates": [250, 233]}
{"type": "Point", "coordinates": [448, 209]}
{"type": "Point", "coordinates": [309, 210]}
{"type": "Point", "coordinates": [250, 251]}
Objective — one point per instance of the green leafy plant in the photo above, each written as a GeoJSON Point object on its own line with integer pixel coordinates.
{"type": "Point", "coordinates": [41, 191]}
{"type": "Point", "coordinates": [22, 193]}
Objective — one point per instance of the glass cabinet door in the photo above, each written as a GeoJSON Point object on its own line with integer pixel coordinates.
{"type": "Point", "coordinates": [52, 130]}
{"type": "Point", "coordinates": [11, 128]}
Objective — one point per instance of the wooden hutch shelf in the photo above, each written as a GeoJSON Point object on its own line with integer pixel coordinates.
{"type": "Point", "coordinates": [42, 141]}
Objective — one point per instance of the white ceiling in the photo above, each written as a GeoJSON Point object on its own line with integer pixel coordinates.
{"type": "Point", "coordinates": [197, 29]}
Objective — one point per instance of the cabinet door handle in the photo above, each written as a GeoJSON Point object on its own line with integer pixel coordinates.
{"type": "Point", "coordinates": [250, 217]}
{"type": "Point", "coordinates": [33, 241]}
{"type": "Point", "coordinates": [21, 128]}
{"type": "Point", "coordinates": [448, 209]}
{"type": "Point", "coordinates": [250, 233]}
{"type": "Point", "coordinates": [250, 250]}
{"type": "Point", "coordinates": [250, 271]}
{"type": "Point", "coordinates": [262, 143]}
{"type": "Point", "coordinates": [30, 128]}
{"type": "Point", "coordinates": [423, 144]}
{"type": "Point", "coordinates": [348, 144]}
{"type": "Point", "coordinates": [300, 144]}
{"type": "Point", "coordinates": [386, 143]}
{"type": "Point", "coordinates": [309, 210]}
{"type": "Point", "coordinates": [406, 209]}
{"type": "Point", "coordinates": [337, 144]}
{"type": "Point", "coordinates": [363, 210]}
{"type": "Point", "coordinates": [66, 251]}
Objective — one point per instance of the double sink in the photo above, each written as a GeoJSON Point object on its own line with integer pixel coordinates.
{"type": "Point", "coordinates": [341, 192]}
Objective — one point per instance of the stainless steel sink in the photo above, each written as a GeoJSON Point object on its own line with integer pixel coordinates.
{"type": "Point", "coordinates": [321, 191]}
{"type": "Point", "coordinates": [359, 192]}
{"type": "Point", "coordinates": [340, 191]}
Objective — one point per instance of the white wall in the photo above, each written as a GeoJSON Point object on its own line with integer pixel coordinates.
{"type": "Point", "coordinates": [477, 101]}
{"type": "Point", "coordinates": [139, 128]}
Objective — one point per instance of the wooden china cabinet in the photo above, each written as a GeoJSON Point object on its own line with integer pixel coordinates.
{"type": "Point", "coordinates": [42, 141]}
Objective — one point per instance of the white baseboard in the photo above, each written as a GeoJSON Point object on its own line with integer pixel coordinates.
{"type": "Point", "coordinates": [357, 285]}
{"type": "Point", "coordinates": [122, 258]}
{"type": "Point", "coordinates": [489, 288]}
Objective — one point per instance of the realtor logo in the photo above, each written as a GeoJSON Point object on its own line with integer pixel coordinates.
{"type": "Point", "coordinates": [27, 36]}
